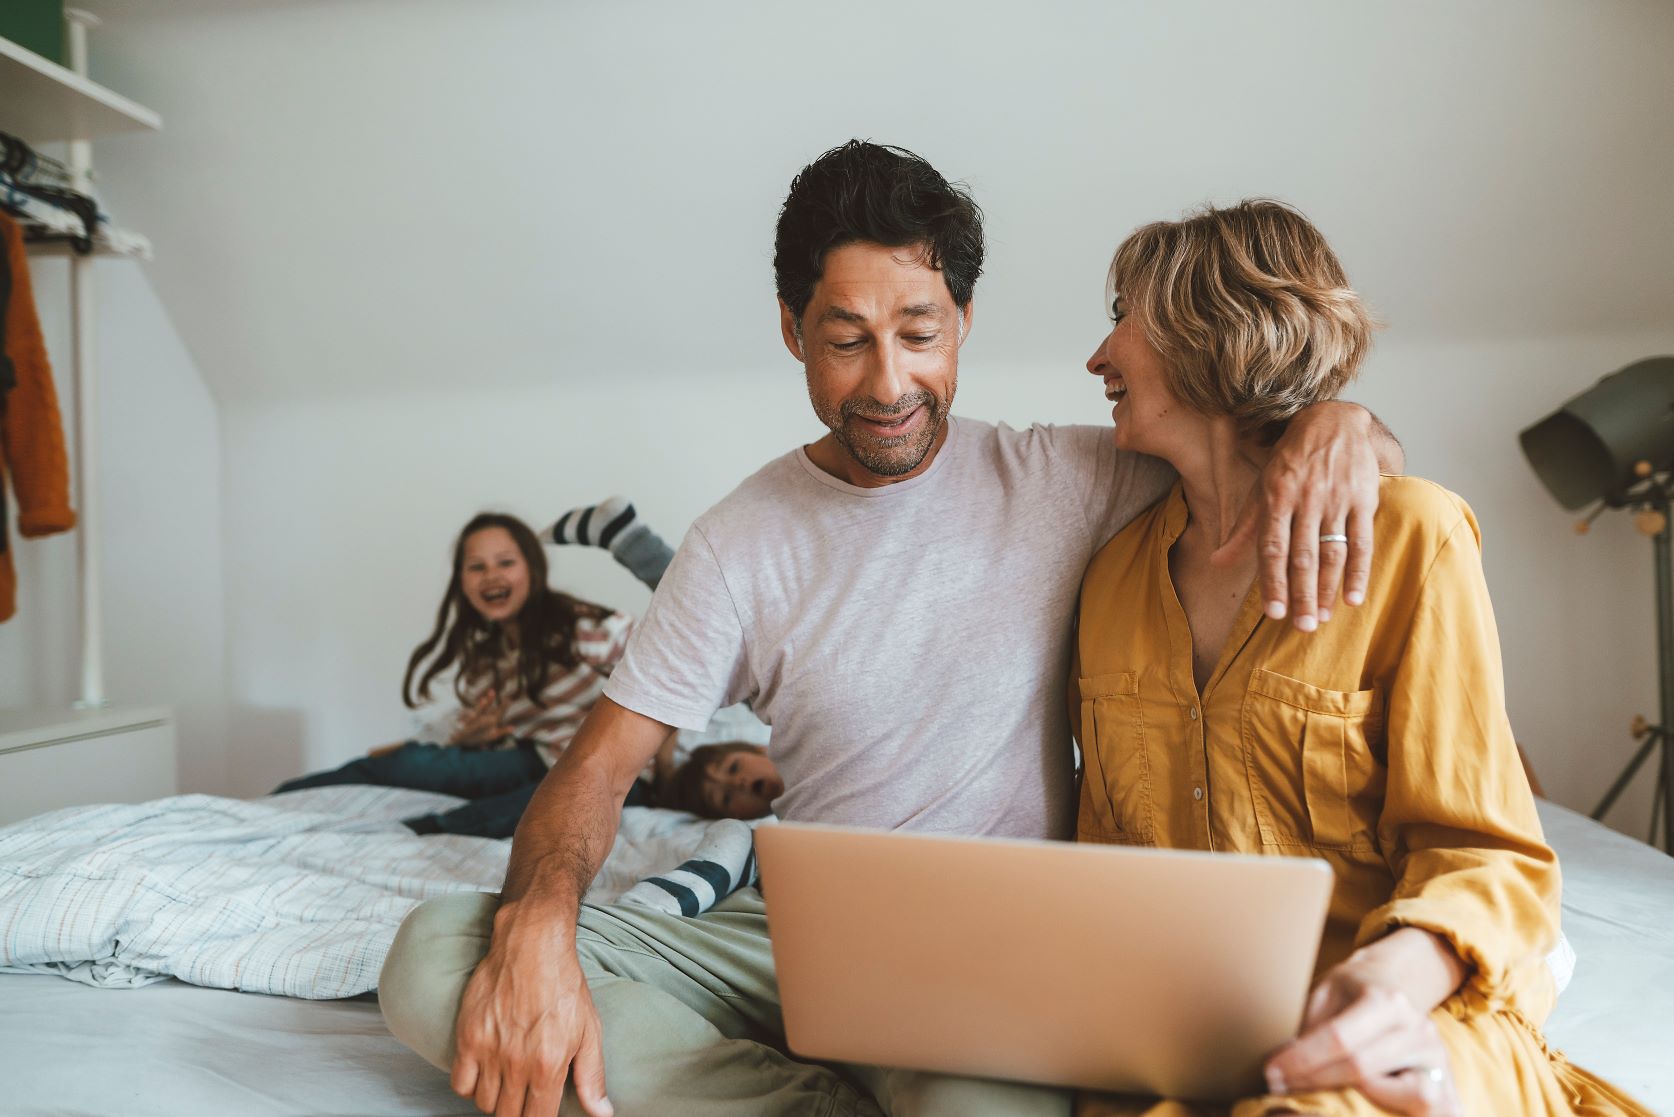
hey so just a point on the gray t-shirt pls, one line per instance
(908, 644)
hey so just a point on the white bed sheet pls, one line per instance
(177, 1050)
(1617, 1016)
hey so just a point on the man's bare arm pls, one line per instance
(570, 824)
(526, 1021)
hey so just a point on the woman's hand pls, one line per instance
(481, 724)
(1364, 1029)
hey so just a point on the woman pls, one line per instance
(529, 662)
(1378, 743)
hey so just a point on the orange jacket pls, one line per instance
(31, 432)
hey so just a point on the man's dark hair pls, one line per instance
(864, 191)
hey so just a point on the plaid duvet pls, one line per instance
(297, 894)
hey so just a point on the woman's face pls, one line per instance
(494, 576)
(1144, 407)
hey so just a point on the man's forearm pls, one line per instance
(571, 822)
(526, 1019)
(1329, 416)
(564, 838)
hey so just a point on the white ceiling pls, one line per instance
(401, 194)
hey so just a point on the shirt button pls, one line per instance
(1194, 713)
(1197, 793)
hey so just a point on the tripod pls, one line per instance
(1655, 513)
(1653, 735)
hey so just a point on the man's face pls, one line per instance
(880, 343)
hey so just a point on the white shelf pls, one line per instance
(22, 729)
(125, 245)
(42, 102)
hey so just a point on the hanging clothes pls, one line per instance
(31, 431)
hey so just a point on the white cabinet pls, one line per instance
(63, 758)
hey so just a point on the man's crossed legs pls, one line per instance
(690, 1011)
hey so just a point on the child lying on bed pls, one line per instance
(733, 779)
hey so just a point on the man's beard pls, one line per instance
(888, 457)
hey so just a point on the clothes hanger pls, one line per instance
(19, 166)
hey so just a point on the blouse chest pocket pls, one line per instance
(1313, 759)
(1116, 781)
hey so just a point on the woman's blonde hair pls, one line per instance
(1248, 308)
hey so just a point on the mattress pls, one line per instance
(67, 1050)
(1617, 1016)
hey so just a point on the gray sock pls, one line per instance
(645, 553)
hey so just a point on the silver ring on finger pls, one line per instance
(1433, 1076)
(1334, 537)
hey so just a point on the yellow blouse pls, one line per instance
(1379, 743)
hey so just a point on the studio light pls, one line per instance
(1613, 446)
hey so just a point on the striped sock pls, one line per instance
(724, 861)
(605, 524)
(614, 525)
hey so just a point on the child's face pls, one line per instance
(494, 576)
(742, 785)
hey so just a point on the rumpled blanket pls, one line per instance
(297, 894)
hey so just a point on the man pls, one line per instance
(896, 601)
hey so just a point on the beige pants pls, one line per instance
(691, 1018)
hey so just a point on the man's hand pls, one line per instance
(526, 1020)
(526, 1024)
(1322, 482)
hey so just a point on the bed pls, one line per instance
(183, 1051)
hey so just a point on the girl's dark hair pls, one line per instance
(463, 636)
(882, 195)
(685, 787)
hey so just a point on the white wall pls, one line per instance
(433, 257)
(340, 551)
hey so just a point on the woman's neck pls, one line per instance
(1218, 476)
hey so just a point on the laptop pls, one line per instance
(1158, 972)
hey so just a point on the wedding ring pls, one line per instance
(1333, 539)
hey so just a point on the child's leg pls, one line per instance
(496, 816)
(614, 525)
(468, 773)
(492, 816)
(386, 770)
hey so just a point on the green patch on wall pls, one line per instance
(37, 25)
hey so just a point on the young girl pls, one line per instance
(529, 663)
